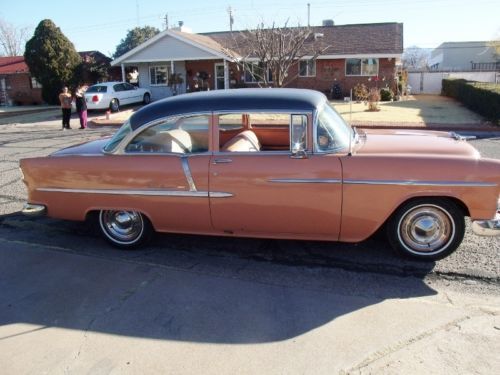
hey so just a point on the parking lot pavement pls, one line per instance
(195, 304)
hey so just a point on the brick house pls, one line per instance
(16, 84)
(354, 54)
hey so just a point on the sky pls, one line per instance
(101, 25)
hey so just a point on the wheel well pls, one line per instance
(455, 201)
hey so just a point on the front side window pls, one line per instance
(332, 132)
(179, 135)
(307, 68)
(158, 75)
(262, 132)
(361, 67)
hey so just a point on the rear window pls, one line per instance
(97, 89)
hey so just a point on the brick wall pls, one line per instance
(330, 72)
(18, 87)
(194, 67)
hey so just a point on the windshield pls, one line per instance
(118, 137)
(332, 132)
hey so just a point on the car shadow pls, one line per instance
(191, 288)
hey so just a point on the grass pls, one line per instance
(421, 109)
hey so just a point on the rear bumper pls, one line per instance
(34, 209)
(487, 227)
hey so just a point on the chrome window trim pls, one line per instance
(420, 183)
(306, 180)
(146, 192)
(256, 153)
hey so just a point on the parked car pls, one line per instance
(111, 95)
(275, 163)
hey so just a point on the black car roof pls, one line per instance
(244, 100)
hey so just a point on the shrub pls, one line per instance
(360, 92)
(373, 99)
(386, 94)
(483, 98)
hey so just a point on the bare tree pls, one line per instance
(274, 50)
(415, 58)
(12, 39)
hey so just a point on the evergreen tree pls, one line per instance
(52, 60)
(135, 37)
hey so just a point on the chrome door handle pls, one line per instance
(222, 161)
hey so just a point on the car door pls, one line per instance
(167, 164)
(133, 94)
(276, 192)
(120, 94)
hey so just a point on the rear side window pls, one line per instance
(97, 89)
(180, 135)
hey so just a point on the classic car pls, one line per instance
(274, 163)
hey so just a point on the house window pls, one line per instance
(307, 68)
(254, 72)
(158, 74)
(361, 67)
(35, 84)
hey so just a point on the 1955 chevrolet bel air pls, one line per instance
(275, 163)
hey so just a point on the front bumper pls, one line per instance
(34, 209)
(487, 227)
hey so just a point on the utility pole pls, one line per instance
(308, 15)
(166, 21)
(231, 18)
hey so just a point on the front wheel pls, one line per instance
(124, 229)
(426, 228)
(146, 99)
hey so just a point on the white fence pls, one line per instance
(430, 82)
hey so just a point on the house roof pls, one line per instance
(12, 65)
(344, 40)
(359, 39)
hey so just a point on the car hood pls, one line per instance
(409, 142)
(88, 148)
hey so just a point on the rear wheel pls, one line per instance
(426, 228)
(146, 99)
(124, 229)
(114, 105)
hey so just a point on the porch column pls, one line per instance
(172, 70)
(226, 75)
(123, 72)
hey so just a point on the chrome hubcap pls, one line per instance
(426, 229)
(122, 226)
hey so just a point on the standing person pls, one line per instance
(81, 106)
(65, 99)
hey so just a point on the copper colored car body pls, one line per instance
(274, 163)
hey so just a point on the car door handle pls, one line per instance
(222, 161)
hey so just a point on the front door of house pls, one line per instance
(219, 76)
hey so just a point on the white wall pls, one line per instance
(160, 92)
(430, 82)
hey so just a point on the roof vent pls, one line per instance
(328, 23)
